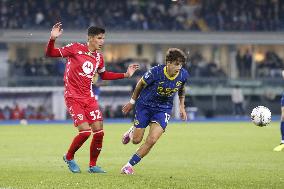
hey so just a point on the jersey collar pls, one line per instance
(167, 75)
(88, 50)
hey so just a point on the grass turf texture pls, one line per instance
(189, 155)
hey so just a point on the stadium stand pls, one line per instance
(215, 65)
(194, 15)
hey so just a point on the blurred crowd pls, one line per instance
(75, 14)
(243, 15)
(204, 15)
(269, 66)
(197, 66)
(29, 113)
(37, 67)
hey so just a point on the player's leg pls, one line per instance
(137, 135)
(154, 134)
(78, 141)
(77, 113)
(133, 134)
(128, 135)
(96, 147)
(141, 121)
(234, 109)
(239, 109)
(96, 123)
(242, 109)
(84, 133)
(280, 147)
(136, 132)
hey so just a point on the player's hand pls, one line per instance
(131, 70)
(56, 30)
(127, 108)
(183, 114)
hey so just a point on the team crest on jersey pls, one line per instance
(178, 83)
(136, 122)
(88, 67)
(80, 116)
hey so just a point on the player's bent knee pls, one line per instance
(136, 140)
(99, 133)
(85, 133)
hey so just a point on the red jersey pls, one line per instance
(16, 113)
(81, 66)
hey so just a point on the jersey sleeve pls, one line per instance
(150, 76)
(50, 50)
(101, 67)
(67, 50)
(185, 78)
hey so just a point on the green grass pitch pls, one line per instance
(189, 155)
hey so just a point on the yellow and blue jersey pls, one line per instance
(282, 100)
(161, 88)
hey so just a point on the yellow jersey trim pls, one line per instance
(143, 81)
(167, 75)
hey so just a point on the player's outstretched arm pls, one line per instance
(129, 106)
(56, 31)
(50, 50)
(181, 94)
(131, 70)
(106, 75)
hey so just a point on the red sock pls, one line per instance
(96, 146)
(78, 141)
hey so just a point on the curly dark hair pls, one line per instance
(175, 54)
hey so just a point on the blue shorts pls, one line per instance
(282, 100)
(145, 115)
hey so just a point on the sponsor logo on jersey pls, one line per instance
(80, 116)
(88, 67)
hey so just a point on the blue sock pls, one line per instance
(135, 159)
(282, 131)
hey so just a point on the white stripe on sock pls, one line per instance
(98, 132)
(85, 131)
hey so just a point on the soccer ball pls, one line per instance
(261, 116)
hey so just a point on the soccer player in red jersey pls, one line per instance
(83, 61)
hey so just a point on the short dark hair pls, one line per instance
(94, 30)
(175, 54)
